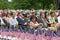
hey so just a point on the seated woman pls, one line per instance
(33, 23)
(43, 20)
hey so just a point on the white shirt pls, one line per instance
(2, 21)
(13, 21)
(58, 19)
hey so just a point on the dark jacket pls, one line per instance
(20, 21)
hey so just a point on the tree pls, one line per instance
(29, 4)
(56, 4)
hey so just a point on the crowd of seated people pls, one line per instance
(30, 19)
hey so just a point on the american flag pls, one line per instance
(15, 34)
(49, 38)
(27, 35)
(54, 38)
(3, 33)
(10, 34)
(38, 37)
(22, 36)
(32, 37)
(18, 35)
(43, 36)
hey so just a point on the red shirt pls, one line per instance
(3, 14)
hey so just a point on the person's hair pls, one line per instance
(45, 14)
(25, 15)
(59, 14)
(51, 13)
(34, 13)
(7, 14)
(32, 17)
(11, 14)
(41, 14)
(18, 13)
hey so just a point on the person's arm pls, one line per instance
(16, 23)
(25, 23)
(10, 22)
(7, 20)
(19, 21)
(33, 25)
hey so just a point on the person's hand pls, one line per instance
(25, 23)
(15, 26)
(36, 24)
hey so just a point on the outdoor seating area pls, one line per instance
(29, 24)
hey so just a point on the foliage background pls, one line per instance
(29, 4)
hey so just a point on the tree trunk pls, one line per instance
(56, 4)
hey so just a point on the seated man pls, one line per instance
(20, 18)
(22, 22)
(52, 21)
(12, 21)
